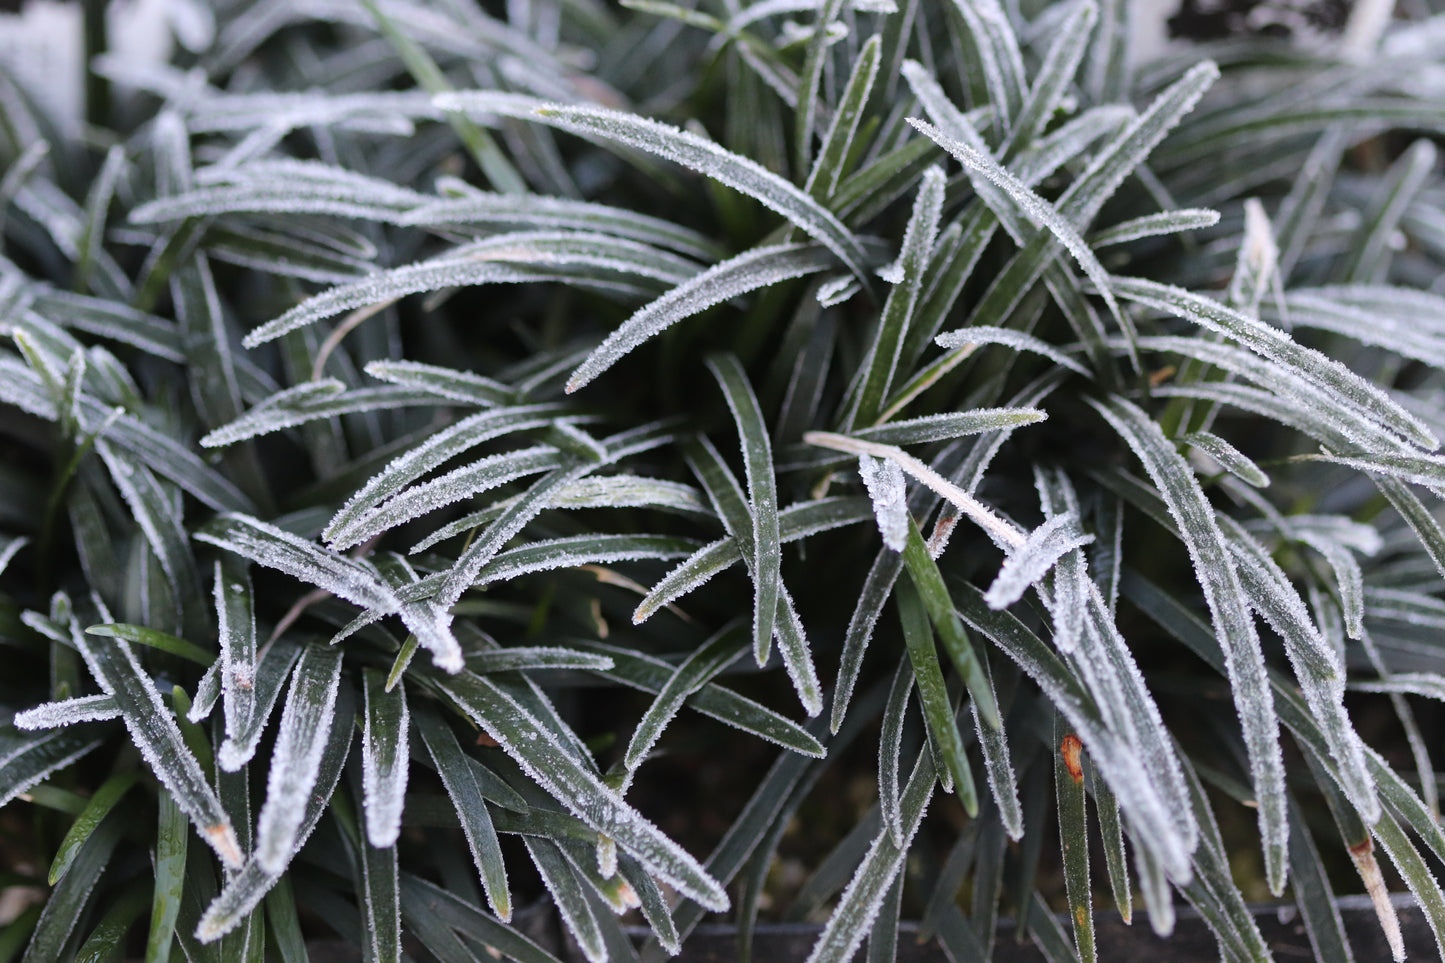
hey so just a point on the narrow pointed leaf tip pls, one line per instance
(752, 270)
(1003, 532)
(706, 157)
(337, 574)
(155, 732)
(296, 760)
(1035, 208)
(1031, 561)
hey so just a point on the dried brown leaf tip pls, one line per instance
(1073, 751)
(1363, 853)
(223, 840)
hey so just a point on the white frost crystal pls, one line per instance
(884, 481)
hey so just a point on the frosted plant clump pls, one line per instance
(969, 373)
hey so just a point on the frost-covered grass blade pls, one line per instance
(763, 496)
(945, 743)
(759, 267)
(385, 758)
(650, 675)
(301, 740)
(706, 157)
(543, 758)
(157, 736)
(696, 671)
(1074, 837)
(1229, 609)
(460, 782)
(244, 890)
(883, 354)
(1032, 560)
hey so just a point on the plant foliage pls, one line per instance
(425, 423)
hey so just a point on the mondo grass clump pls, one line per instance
(846, 461)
